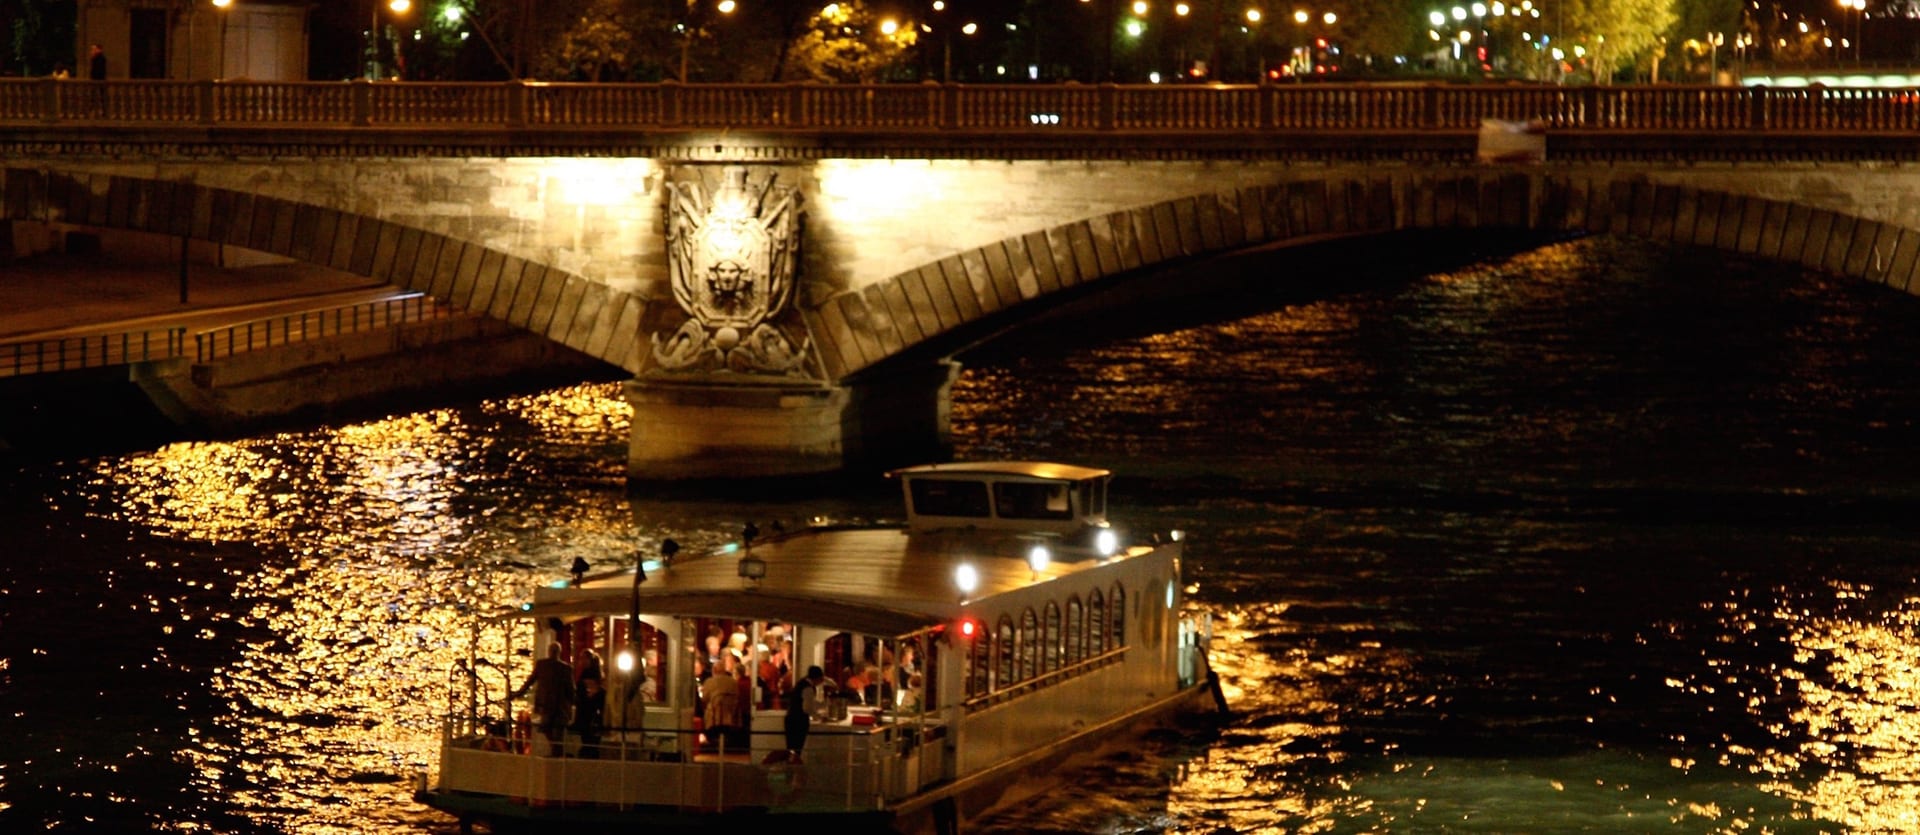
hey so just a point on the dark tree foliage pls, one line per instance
(40, 36)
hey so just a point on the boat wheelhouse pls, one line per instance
(1005, 625)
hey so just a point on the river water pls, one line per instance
(1594, 537)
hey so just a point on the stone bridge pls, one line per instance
(787, 281)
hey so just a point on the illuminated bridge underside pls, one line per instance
(859, 329)
(878, 339)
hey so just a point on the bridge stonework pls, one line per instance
(905, 261)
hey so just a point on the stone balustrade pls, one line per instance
(1224, 110)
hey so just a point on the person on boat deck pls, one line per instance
(865, 684)
(910, 694)
(802, 703)
(774, 672)
(722, 694)
(705, 665)
(589, 703)
(552, 685)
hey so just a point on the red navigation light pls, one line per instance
(969, 629)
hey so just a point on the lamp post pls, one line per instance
(1859, 9)
(398, 7)
(223, 5)
(1253, 18)
(688, 29)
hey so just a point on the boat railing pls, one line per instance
(844, 768)
(1048, 679)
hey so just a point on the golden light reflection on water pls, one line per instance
(1256, 781)
(370, 575)
(1857, 760)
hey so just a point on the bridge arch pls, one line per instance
(860, 330)
(582, 314)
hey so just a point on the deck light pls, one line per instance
(624, 660)
(969, 629)
(1038, 558)
(1106, 542)
(966, 578)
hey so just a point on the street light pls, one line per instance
(725, 7)
(222, 5)
(1859, 7)
(398, 7)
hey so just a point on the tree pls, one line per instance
(1615, 33)
(609, 40)
(844, 43)
(1384, 29)
(41, 36)
(1695, 23)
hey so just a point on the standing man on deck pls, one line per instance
(552, 685)
(802, 703)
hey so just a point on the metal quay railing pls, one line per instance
(43, 356)
(275, 331)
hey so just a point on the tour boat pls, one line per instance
(964, 655)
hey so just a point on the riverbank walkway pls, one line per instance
(57, 296)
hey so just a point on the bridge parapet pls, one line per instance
(1038, 110)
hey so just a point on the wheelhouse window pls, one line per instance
(1029, 646)
(1031, 500)
(1117, 638)
(1076, 638)
(934, 497)
(1003, 652)
(1050, 638)
(1093, 495)
(1096, 624)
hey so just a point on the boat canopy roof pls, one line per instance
(1025, 469)
(873, 580)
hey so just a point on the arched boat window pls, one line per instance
(1076, 638)
(1029, 646)
(979, 664)
(1096, 624)
(1050, 638)
(1003, 652)
(1117, 604)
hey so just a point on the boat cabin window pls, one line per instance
(1003, 646)
(937, 497)
(1031, 500)
(1076, 631)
